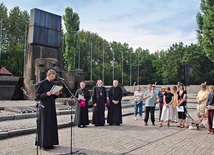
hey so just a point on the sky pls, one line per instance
(149, 24)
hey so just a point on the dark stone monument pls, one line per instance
(43, 52)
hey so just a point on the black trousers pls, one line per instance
(160, 110)
(150, 110)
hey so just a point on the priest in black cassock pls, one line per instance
(99, 102)
(47, 122)
(115, 111)
(81, 111)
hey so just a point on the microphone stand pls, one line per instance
(37, 117)
(72, 97)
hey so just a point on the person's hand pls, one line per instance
(116, 102)
(95, 104)
(56, 93)
(48, 93)
(209, 108)
(78, 99)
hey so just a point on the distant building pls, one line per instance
(5, 72)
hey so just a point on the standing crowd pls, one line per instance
(173, 106)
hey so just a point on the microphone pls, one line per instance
(60, 78)
(24, 91)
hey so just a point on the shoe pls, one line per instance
(110, 124)
(141, 117)
(179, 126)
(153, 124)
(158, 121)
(160, 125)
(135, 118)
(96, 125)
(146, 124)
(79, 126)
(43, 148)
(83, 126)
(168, 125)
(118, 124)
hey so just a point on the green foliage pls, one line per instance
(205, 31)
(13, 59)
(163, 67)
(14, 29)
(71, 21)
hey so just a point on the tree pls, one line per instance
(205, 31)
(3, 26)
(13, 59)
(71, 21)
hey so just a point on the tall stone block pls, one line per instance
(44, 28)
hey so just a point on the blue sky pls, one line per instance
(150, 24)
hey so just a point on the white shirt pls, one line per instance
(138, 95)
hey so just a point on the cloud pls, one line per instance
(154, 25)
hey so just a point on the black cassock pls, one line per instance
(81, 113)
(115, 112)
(47, 122)
(99, 97)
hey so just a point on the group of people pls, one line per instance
(99, 98)
(47, 133)
(173, 106)
(168, 104)
(205, 107)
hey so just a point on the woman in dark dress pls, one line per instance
(81, 111)
(99, 101)
(182, 94)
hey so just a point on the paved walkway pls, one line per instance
(132, 138)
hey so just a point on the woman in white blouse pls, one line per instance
(138, 103)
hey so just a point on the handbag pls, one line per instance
(82, 103)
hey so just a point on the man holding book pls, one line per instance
(47, 122)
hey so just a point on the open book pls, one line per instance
(56, 88)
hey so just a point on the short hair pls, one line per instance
(181, 84)
(116, 81)
(51, 71)
(168, 88)
(211, 87)
(203, 85)
(174, 88)
(139, 87)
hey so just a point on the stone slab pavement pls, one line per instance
(131, 138)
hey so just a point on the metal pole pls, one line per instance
(25, 43)
(138, 71)
(103, 63)
(91, 64)
(0, 41)
(122, 67)
(130, 69)
(78, 42)
(113, 65)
